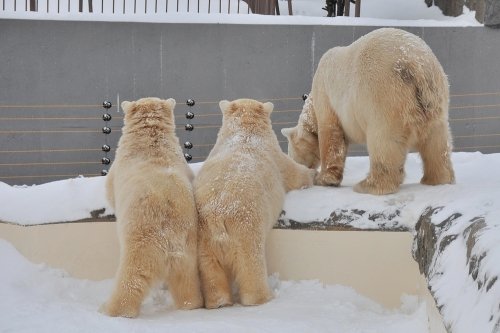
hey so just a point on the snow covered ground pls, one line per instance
(35, 298)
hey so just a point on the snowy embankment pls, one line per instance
(457, 246)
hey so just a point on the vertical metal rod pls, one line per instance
(357, 12)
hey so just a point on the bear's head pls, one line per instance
(149, 112)
(246, 114)
(303, 146)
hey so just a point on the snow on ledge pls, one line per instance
(476, 192)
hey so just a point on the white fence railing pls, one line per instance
(125, 6)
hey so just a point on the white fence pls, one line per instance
(125, 6)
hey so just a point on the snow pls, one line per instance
(36, 298)
(52, 204)
(408, 13)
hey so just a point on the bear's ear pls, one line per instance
(224, 105)
(169, 106)
(287, 132)
(126, 106)
(268, 107)
(171, 102)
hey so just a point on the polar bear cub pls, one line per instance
(239, 193)
(388, 90)
(149, 187)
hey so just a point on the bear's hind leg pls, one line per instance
(435, 151)
(214, 281)
(251, 274)
(183, 281)
(139, 267)
(387, 158)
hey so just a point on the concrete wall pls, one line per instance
(54, 75)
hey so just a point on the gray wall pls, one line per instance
(54, 75)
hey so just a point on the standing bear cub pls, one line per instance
(149, 187)
(388, 90)
(239, 194)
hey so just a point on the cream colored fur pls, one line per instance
(387, 90)
(149, 187)
(239, 194)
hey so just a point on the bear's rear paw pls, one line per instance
(119, 311)
(255, 298)
(215, 302)
(191, 304)
(326, 179)
(371, 188)
(437, 181)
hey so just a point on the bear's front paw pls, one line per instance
(326, 179)
(310, 179)
(369, 187)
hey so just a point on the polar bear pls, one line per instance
(149, 187)
(387, 90)
(239, 193)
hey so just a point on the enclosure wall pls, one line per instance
(54, 76)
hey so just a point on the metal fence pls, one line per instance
(126, 7)
(83, 138)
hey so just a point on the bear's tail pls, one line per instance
(430, 86)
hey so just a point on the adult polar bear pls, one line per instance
(388, 90)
